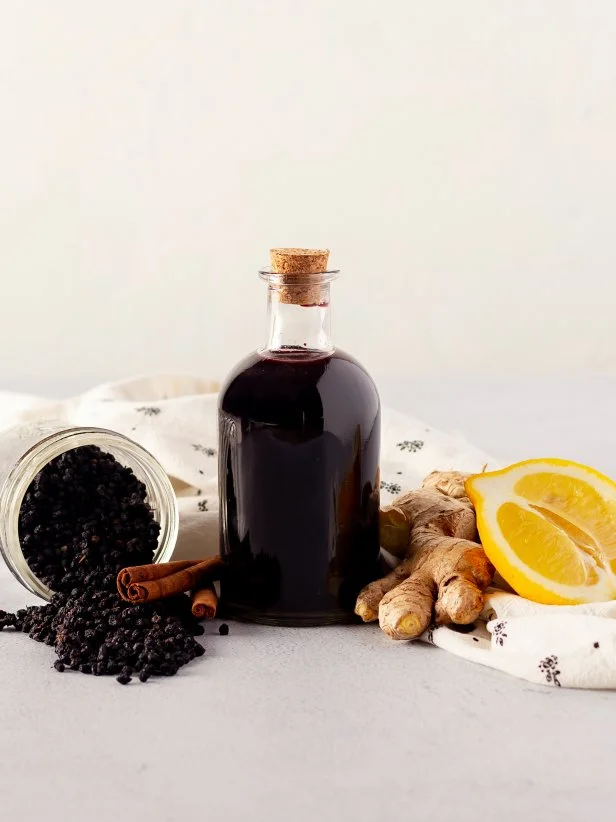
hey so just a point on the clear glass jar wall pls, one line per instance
(26, 449)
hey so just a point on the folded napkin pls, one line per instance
(175, 418)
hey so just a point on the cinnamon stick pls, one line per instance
(204, 602)
(147, 573)
(144, 583)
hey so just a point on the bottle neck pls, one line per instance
(294, 328)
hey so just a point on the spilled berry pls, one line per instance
(85, 517)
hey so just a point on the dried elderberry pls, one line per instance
(84, 518)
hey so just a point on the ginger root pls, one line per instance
(443, 570)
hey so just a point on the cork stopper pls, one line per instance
(298, 270)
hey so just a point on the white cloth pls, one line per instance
(175, 418)
(569, 646)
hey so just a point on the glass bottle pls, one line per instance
(299, 429)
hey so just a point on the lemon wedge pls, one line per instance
(549, 528)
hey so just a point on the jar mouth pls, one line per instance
(159, 493)
(297, 278)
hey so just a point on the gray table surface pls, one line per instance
(335, 724)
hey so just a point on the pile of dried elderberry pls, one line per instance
(83, 519)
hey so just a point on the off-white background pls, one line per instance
(458, 158)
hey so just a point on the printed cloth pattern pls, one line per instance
(175, 418)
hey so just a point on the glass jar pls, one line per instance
(27, 448)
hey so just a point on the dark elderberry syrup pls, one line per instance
(299, 454)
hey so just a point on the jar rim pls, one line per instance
(160, 494)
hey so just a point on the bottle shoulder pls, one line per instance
(265, 381)
(276, 366)
(243, 366)
(353, 364)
